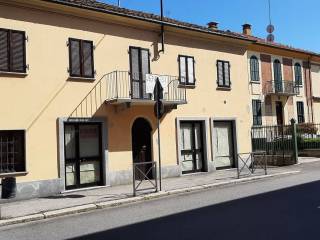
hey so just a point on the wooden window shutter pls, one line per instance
(4, 50)
(17, 47)
(87, 59)
(182, 69)
(75, 57)
(220, 73)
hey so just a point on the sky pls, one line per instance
(296, 22)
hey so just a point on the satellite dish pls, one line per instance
(270, 38)
(270, 28)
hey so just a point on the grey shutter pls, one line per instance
(220, 73)
(144, 70)
(87, 54)
(17, 51)
(4, 48)
(135, 79)
(182, 68)
(75, 57)
(226, 74)
(190, 63)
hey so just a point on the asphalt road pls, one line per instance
(285, 207)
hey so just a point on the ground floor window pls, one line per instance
(300, 112)
(256, 112)
(12, 151)
(192, 147)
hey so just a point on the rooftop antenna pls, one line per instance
(270, 27)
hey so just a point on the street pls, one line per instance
(286, 207)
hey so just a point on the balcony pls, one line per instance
(281, 88)
(122, 87)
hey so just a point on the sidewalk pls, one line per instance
(86, 200)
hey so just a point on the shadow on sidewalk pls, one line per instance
(291, 213)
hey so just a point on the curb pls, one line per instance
(115, 203)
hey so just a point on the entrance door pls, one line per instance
(83, 155)
(279, 113)
(192, 147)
(223, 144)
(141, 146)
(139, 67)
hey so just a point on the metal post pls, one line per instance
(238, 168)
(294, 140)
(159, 148)
(134, 179)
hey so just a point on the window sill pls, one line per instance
(13, 174)
(71, 78)
(224, 88)
(186, 86)
(13, 74)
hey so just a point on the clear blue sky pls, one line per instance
(296, 22)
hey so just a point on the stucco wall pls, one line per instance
(34, 102)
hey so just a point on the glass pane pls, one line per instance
(186, 136)
(190, 71)
(187, 162)
(197, 132)
(89, 172)
(220, 74)
(71, 178)
(89, 141)
(223, 145)
(183, 69)
(199, 161)
(70, 143)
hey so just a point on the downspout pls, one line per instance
(162, 28)
(311, 93)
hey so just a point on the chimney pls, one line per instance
(213, 25)
(246, 29)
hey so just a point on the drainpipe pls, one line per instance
(311, 93)
(162, 28)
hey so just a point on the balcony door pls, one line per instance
(277, 72)
(139, 67)
(83, 155)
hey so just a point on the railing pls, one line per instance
(122, 86)
(144, 172)
(274, 140)
(249, 163)
(308, 136)
(282, 88)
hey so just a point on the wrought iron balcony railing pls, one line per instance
(123, 87)
(287, 88)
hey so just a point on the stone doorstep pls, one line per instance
(114, 203)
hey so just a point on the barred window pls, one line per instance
(12, 51)
(81, 58)
(300, 112)
(298, 74)
(256, 112)
(254, 69)
(223, 71)
(12, 151)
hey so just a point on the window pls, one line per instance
(223, 70)
(81, 58)
(12, 51)
(300, 112)
(254, 69)
(256, 112)
(186, 70)
(277, 72)
(298, 74)
(12, 151)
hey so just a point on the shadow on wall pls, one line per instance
(291, 213)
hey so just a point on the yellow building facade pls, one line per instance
(82, 104)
